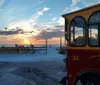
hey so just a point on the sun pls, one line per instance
(26, 41)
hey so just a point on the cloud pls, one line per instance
(42, 11)
(89, 2)
(52, 33)
(11, 32)
(46, 9)
(23, 24)
(20, 10)
(49, 35)
(43, 26)
(66, 9)
(14, 31)
(28, 24)
(74, 2)
(85, 3)
(61, 21)
(55, 22)
(39, 2)
(31, 24)
(34, 19)
(54, 19)
(75, 8)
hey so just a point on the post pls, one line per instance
(46, 46)
(65, 41)
(60, 42)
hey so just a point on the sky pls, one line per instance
(33, 21)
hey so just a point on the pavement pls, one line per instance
(32, 73)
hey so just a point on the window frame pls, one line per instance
(92, 25)
(66, 29)
(83, 31)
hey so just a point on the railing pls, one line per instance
(15, 49)
(21, 49)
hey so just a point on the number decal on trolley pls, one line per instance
(75, 58)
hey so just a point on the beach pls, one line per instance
(32, 69)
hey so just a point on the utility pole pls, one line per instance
(46, 45)
(60, 42)
(65, 41)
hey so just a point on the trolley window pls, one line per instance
(94, 29)
(77, 31)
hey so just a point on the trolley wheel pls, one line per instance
(88, 80)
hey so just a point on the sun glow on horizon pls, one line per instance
(26, 41)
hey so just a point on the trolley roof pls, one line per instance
(81, 10)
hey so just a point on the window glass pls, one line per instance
(95, 18)
(72, 32)
(93, 35)
(94, 22)
(77, 32)
(66, 28)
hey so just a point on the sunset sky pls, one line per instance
(33, 21)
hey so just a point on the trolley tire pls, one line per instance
(88, 80)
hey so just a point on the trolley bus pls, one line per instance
(82, 32)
